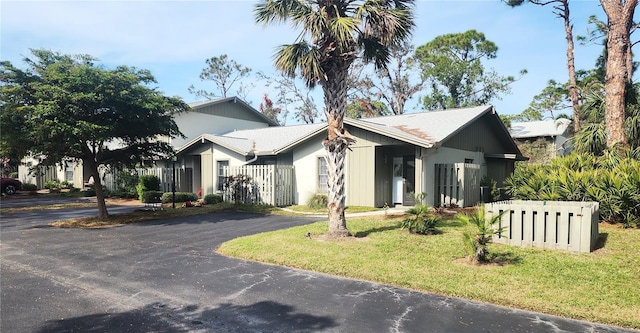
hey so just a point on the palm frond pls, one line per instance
(279, 11)
(300, 57)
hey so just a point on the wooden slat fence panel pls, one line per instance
(457, 184)
(554, 225)
(270, 184)
(165, 175)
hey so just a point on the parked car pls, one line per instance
(10, 185)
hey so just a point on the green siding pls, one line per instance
(481, 135)
(230, 110)
(360, 175)
(368, 139)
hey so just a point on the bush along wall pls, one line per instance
(147, 183)
(610, 179)
(167, 197)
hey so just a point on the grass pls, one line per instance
(349, 209)
(602, 286)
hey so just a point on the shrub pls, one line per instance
(610, 179)
(421, 222)
(180, 197)
(13, 175)
(147, 183)
(241, 188)
(151, 196)
(66, 184)
(318, 201)
(212, 199)
(29, 187)
(480, 234)
(52, 184)
(90, 192)
(126, 182)
(74, 190)
(125, 193)
(494, 194)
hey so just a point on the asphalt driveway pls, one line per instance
(165, 276)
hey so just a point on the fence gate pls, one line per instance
(457, 184)
(270, 184)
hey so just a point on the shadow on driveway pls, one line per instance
(157, 317)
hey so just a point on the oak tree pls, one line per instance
(67, 108)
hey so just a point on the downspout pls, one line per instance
(255, 156)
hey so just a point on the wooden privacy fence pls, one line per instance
(555, 225)
(457, 184)
(164, 174)
(270, 184)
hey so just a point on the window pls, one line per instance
(323, 175)
(68, 172)
(468, 160)
(221, 166)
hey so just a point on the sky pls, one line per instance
(173, 39)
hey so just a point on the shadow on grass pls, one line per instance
(602, 240)
(365, 233)
(504, 258)
(450, 223)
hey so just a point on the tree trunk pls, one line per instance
(336, 144)
(571, 66)
(620, 17)
(102, 205)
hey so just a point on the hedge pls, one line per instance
(180, 197)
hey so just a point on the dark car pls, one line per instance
(10, 185)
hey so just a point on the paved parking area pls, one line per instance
(164, 276)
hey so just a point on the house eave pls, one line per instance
(381, 131)
(506, 156)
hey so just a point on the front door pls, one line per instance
(404, 176)
(398, 180)
(409, 189)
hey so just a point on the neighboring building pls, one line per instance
(218, 116)
(441, 153)
(543, 140)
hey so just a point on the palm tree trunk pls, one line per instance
(620, 18)
(571, 65)
(336, 144)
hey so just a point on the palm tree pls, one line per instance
(335, 33)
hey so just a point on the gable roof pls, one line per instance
(542, 128)
(262, 141)
(212, 107)
(426, 129)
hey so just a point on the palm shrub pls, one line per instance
(421, 222)
(318, 201)
(610, 179)
(480, 233)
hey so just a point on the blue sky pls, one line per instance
(173, 39)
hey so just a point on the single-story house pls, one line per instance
(543, 140)
(442, 154)
(214, 116)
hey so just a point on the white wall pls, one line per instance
(442, 155)
(305, 161)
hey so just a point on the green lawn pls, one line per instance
(602, 286)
